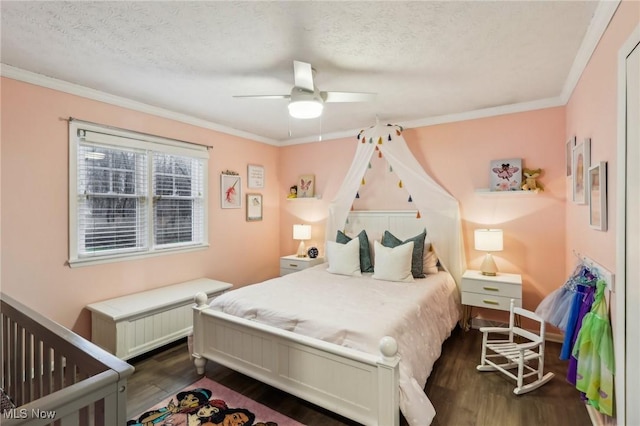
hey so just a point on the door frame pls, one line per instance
(622, 359)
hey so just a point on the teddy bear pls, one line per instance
(530, 183)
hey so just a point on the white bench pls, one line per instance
(131, 325)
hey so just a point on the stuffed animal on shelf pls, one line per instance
(530, 183)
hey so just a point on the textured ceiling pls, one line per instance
(424, 59)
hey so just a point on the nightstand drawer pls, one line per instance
(491, 288)
(489, 301)
(294, 264)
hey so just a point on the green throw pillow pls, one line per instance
(390, 240)
(365, 253)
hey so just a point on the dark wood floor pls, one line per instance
(461, 395)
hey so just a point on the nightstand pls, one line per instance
(492, 292)
(293, 263)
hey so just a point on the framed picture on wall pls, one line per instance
(580, 167)
(255, 176)
(230, 191)
(506, 175)
(598, 196)
(569, 154)
(254, 207)
(306, 184)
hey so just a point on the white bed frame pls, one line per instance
(354, 384)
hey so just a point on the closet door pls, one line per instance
(632, 270)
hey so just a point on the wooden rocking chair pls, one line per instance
(516, 355)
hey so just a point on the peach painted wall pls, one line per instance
(592, 113)
(457, 155)
(34, 201)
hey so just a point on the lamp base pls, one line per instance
(488, 266)
(301, 250)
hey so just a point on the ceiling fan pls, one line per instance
(305, 100)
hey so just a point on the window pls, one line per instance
(133, 194)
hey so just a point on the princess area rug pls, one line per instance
(207, 403)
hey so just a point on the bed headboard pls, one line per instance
(401, 223)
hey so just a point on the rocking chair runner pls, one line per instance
(520, 355)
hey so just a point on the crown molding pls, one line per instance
(602, 16)
(599, 22)
(441, 119)
(96, 95)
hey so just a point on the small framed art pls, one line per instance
(306, 184)
(598, 196)
(506, 175)
(255, 176)
(254, 207)
(230, 191)
(580, 168)
(569, 154)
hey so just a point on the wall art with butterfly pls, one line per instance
(306, 184)
(506, 175)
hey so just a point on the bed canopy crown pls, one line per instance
(438, 209)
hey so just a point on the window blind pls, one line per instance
(112, 190)
(134, 194)
(178, 200)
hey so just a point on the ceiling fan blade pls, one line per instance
(303, 75)
(263, 96)
(347, 96)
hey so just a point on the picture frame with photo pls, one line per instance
(230, 191)
(580, 162)
(254, 207)
(255, 176)
(306, 186)
(506, 175)
(569, 155)
(598, 196)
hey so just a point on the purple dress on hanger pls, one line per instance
(587, 301)
(573, 322)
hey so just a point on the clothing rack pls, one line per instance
(602, 272)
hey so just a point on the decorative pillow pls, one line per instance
(365, 251)
(344, 259)
(389, 240)
(430, 262)
(393, 264)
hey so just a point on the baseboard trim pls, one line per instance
(595, 416)
(599, 419)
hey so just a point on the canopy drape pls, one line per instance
(438, 209)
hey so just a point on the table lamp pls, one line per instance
(302, 233)
(488, 240)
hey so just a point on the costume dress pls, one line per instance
(594, 351)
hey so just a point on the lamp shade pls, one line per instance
(305, 109)
(301, 232)
(488, 239)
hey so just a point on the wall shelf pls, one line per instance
(315, 197)
(486, 191)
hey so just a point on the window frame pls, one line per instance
(120, 138)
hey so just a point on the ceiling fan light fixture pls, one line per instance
(305, 109)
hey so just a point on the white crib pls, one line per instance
(54, 376)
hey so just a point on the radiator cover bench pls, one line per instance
(131, 325)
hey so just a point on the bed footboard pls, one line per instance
(354, 384)
(55, 377)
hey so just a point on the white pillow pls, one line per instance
(430, 260)
(344, 259)
(393, 264)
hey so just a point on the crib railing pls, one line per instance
(56, 377)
